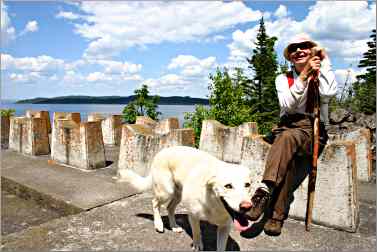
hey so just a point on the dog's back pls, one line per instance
(180, 161)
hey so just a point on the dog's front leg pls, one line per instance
(222, 236)
(197, 243)
(158, 224)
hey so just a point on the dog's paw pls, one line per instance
(159, 230)
(197, 246)
(158, 225)
(177, 229)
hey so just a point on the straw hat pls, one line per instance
(299, 38)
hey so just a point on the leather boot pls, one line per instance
(273, 227)
(259, 201)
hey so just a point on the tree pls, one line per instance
(142, 105)
(195, 119)
(364, 88)
(226, 100)
(261, 92)
(7, 112)
(227, 97)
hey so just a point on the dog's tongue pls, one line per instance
(241, 224)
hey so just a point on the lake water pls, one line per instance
(105, 109)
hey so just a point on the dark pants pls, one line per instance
(293, 139)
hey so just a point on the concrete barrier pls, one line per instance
(40, 114)
(76, 143)
(363, 147)
(5, 126)
(335, 203)
(144, 139)
(111, 127)
(225, 142)
(56, 139)
(29, 135)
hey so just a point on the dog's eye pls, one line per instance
(247, 184)
(228, 186)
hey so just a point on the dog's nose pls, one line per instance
(245, 206)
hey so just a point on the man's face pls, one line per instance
(300, 53)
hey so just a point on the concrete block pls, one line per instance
(5, 126)
(167, 125)
(225, 142)
(335, 203)
(141, 142)
(57, 148)
(363, 147)
(111, 127)
(138, 146)
(40, 114)
(78, 144)
(147, 121)
(29, 135)
(92, 117)
(253, 155)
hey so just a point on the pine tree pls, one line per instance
(365, 87)
(260, 90)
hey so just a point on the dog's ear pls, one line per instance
(211, 182)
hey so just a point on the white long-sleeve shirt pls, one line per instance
(292, 99)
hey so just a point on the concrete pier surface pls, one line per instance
(96, 213)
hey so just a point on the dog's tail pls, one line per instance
(135, 180)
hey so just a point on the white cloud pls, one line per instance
(41, 63)
(68, 15)
(191, 78)
(77, 73)
(343, 28)
(115, 26)
(8, 32)
(98, 76)
(31, 26)
(191, 66)
(25, 78)
(117, 67)
(281, 12)
(168, 82)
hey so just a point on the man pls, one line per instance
(294, 133)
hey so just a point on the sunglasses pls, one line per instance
(304, 45)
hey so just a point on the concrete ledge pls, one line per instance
(57, 186)
(143, 140)
(225, 142)
(43, 199)
(363, 147)
(335, 203)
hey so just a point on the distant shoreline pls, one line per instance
(171, 100)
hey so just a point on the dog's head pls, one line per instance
(232, 185)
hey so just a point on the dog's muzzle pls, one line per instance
(240, 219)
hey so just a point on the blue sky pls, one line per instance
(111, 48)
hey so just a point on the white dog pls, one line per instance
(211, 190)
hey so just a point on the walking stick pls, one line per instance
(314, 81)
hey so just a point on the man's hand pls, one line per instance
(313, 64)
